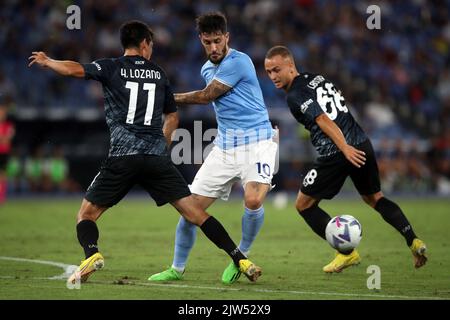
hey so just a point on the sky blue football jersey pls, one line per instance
(241, 114)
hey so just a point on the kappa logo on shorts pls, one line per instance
(310, 177)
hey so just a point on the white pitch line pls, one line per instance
(282, 291)
(69, 269)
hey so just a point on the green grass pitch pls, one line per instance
(136, 239)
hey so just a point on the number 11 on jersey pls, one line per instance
(134, 87)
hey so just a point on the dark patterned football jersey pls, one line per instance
(136, 94)
(311, 95)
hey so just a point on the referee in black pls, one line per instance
(136, 94)
(344, 150)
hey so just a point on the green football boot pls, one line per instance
(168, 275)
(231, 274)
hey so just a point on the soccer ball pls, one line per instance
(343, 233)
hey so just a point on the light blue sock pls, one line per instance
(184, 241)
(252, 221)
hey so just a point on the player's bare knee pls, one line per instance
(302, 203)
(372, 199)
(89, 211)
(199, 215)
(253, 202)
(369, 201)
(86, 215)
(301, 206)
(201, 218)
(195, 216)
(191, 210)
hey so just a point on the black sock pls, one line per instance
(217, 234)
(317, 219)
(87, 233)
(393, 215)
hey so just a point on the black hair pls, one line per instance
(133, 32)
(212, 22)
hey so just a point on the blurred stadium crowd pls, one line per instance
(396, 80)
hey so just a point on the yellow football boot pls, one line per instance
(87, 267)
(419, 249)
(342, 261)
(251, 271)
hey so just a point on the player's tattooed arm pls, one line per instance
(170, 124)
(214, 90)
(355, 156)
(65, 68)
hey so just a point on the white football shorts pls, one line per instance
(247, 163)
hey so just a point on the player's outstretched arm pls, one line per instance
(212, 91)
(65, 68)
(355, 156)
(170, 124)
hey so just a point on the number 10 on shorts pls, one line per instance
(263, 169)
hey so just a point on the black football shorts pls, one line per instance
(156, 174)
(327, 176)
